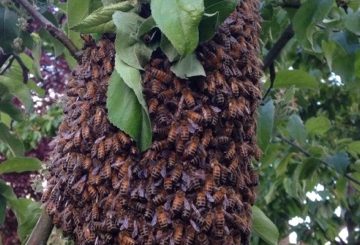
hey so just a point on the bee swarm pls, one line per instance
(195, 185)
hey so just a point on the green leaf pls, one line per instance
(329, 49)
(308, 15)
(19, 165)
(76, 11)
(308, 168)
(340, 161)
(297, 78)
(189, 66)
(8, 28)
(352, 22)
(354, 148)
(147, 25)
(129, 49)
(265, 124)
(9, 108)
(283, 165)
(2, 209)
(6, 191)
(317, 125)
(13, 80)
(126, 113)
(296, 128)
(216, 11)
(100, 21)
(27, 213)
(132, 79)
(264, 227)
(179, 21)
(168, 49)
(15, 145)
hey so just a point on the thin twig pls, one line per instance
(53, 30)
(278, 46)
(42, 230)
(272, 81)
(8, 65)
(302, 150)
(25, 70)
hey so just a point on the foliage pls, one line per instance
(307, 126)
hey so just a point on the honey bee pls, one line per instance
(80, 185)
(188, 97)
(159, 145)
(207, 222)
(124, 187)
(184, 132)
(187, 210)
(167, 95)
(207, 137)
(206, 113)
(202, 239)
(209, 184)
(168, 184)
(95, 71)
(190, 235)
(171, 160)
(216, 171)
(145, 230)
(95, 214)
(200, 199)
(219, 223)
(90, 90)
(176, 173)
(101, 150)
(123, 138)
(179, 146)
(155, 87)
(92, 191)
(159, 199)
(125, 239)
(192, 147)
(219, 80)
(219, 98)
(85, 132)
(88, 235)
(149, 212)
(162, 218)
(172, 133)
(178, 202)
(195, 117)
(219, 195)
(87, 163)
(160, 75)
(178, 85)
(212, 60)
(234, 87)
(108, 66)
(178, 233)
(157, 170)
(230, 154)
(68, 147)
(106, 170)
(211, 84)
(99, 114)
(139, 207)
(152, 105)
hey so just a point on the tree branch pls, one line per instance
(42, 230)
(302, 150)
(278, 46)
(51, 28)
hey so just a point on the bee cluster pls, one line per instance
(195, 185)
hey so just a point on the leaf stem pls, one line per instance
(41, 231)
(306, 153)
(51, 28)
